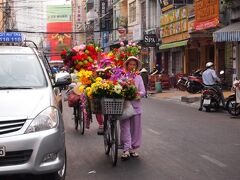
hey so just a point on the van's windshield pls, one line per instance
(21, 71)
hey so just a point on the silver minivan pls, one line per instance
(32, 139)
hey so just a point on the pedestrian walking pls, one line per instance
(131, 129)
(144, 74)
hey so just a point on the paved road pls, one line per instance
(179, 143)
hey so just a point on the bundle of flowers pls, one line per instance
(122, 88)
(106, 88)
(121, 54)
(129, 89)
(81, 57)
(105, 66)
(86, 77)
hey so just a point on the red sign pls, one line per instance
(206, 14)
(206, 24)
(60, 40)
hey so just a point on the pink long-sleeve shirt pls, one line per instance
(141, 90)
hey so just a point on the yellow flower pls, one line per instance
(81, 88)
(98, 79)
(89, 91)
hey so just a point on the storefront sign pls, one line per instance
(166, 5)
(150, 40)
(103, 11)
(206, 14)
(174, 22)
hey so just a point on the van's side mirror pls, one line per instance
(63, 81)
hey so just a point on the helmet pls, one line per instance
(209, 64)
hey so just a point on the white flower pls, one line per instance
(118, 88)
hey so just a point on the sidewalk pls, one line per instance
(183, 96)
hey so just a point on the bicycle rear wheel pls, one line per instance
(81, 120)
(114, 142)
(76, 116)
(106, 136)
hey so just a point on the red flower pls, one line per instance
(78, 67)
(90, 48)
(64, 52)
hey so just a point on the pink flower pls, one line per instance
(82, 47)
(122, 43)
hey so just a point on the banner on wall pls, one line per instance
(60, 40)
(206, 14)
(59, 21)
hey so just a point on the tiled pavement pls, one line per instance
(180, 96)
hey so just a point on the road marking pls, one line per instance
(214, 161)
(153, 131)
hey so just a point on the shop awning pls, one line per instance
(172, 45)
(229, 33)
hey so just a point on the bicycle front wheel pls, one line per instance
(114, 142)
(106, 135)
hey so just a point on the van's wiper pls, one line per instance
(12, 87)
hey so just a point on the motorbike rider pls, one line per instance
(210, 78)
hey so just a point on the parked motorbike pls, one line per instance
(232, 106)
(192, 84)
(211, 98)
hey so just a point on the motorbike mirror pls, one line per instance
(221, 72)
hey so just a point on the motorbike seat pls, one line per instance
(209, 87)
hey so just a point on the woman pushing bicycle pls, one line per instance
(131, 129)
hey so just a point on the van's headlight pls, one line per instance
(47, 119)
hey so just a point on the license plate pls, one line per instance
(2, 151)
(206, 101)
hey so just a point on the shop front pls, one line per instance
(229, 39)
(174, 33)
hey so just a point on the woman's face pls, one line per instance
(132, 65)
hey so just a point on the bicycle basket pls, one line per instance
(96, 106)
(112, 106)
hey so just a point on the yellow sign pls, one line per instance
(174, 22)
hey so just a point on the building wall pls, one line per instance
(31, 19)
(1, 18)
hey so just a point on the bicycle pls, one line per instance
(79, 118)
(112, 108)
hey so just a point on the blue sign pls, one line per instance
(10, 37)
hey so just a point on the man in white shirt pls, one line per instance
(210, 78)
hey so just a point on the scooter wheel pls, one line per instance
(232, 107)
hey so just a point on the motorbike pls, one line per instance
(192, 84)
(232, 105)
(211, 97)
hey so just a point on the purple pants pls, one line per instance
(131, 132)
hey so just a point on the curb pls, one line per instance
(189, 99)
